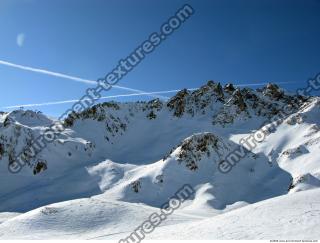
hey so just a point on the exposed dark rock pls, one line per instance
(40, 166)
(7, 122)
(136, 186)
(229, 88)
(152, 115)
(178, 102)
(304, 179)
(273, 91)
(1, 150)
(238, 100)
(195, 148)
(155, 104)
(219, 91)
(159, 179)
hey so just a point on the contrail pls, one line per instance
(258, 84)
(65, 76)
(124, 95)
(104, 97)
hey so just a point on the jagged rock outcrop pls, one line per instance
(229, 88)
(197, 147)
(155, 104)
(40, 166)
(178, 103)
(238, 100)
(273, 91)
(136, 186)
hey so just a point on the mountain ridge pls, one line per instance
(142, 134)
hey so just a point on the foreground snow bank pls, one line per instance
(294, 216)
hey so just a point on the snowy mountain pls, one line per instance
(124, 160)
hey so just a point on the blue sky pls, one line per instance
(235, 41)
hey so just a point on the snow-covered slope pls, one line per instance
(294, 216)
(137, 155)
(195, 162)
(82, 219)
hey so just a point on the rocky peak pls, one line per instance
(178, 102)
(215, 87)
(219, 91)
(273, 91)
(228, 102)
(229, 88)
